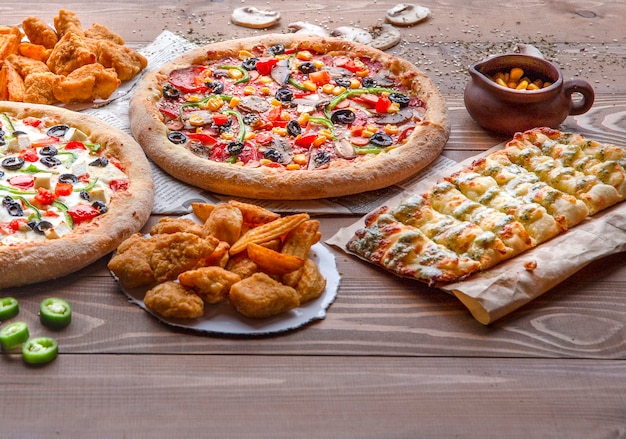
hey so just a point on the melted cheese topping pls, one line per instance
(52, 178)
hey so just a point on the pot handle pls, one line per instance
(584, 88)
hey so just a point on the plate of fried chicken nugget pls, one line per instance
(229, 268)
(64, 63)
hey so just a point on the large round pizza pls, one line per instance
(289, 117)
(72, 188)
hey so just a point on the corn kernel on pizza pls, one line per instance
(289, 117)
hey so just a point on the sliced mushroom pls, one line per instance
(352, 33)
(407, 14)
(303, 27)
(384, 36)
(249, 16)
(395, 118)
(254, 104)
(344, 149)
(281, 71)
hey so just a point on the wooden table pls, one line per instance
(393, 358)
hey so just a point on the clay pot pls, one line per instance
(507, 111)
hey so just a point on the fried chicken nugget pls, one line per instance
(86, 84)
(11, 84)
(126, 62)
(38, 32)
(66, 22)
(101, 32)
(260, 296)
(224, 222)
(178, 252)
(26, 66)
(39, 87)
(242, 265)
(131, 263)
(171, 299)
(71, 52)
(311, 283)
(220, 255)
(210, 283)
(173, 225)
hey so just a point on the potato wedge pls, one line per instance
(254, 215)
(269, 231)
(273, 262)
(202, 210)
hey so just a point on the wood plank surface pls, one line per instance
(393, 358)
(105, 396)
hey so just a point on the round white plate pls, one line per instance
(223, 319)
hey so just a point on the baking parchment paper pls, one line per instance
(492, 294)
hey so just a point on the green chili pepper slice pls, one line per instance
(242, 127)
(13, 335)
(9, 308)
(40, 350)
(55, 313)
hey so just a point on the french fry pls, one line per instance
(273, 262)
(268, 231)
(9, 41)
(202, 210)
(254, 215)
(11, 84)
(298, 243)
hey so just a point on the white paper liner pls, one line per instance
(492, 294)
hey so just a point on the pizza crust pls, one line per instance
(340, 178)
(128, 210)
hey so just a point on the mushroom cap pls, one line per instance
(407, 14)
(384, 36)
(352, 33)
(249, 16)
(304, 27)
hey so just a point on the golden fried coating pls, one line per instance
(224, 223)
(311, 283)
(86, 84)
(131, 263)
(38, 32)
(25, 65)
(242, 265)
(178, 252)
(101, 32)
(66, 22)
(173, 225)
(210, 283)
(11, 84)
(125, 61)
(70, 53)
(171, 299)
(220, 255)
(39, 88)
(260, 296)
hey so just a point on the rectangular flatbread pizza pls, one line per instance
(542, 183)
